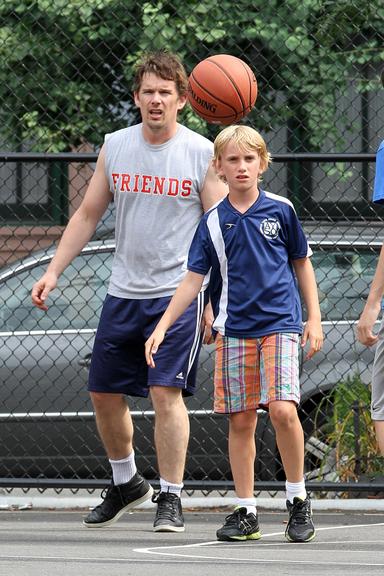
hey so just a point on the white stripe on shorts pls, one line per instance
(195, 344)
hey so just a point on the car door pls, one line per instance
(344, 275)
(46, 420)
(44, 356)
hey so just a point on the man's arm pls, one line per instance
(185, 294)
(213, 189)
(373, 306)
(78, 232)
(307, 283)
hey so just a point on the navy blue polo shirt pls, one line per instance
(249, 255)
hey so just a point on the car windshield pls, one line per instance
(75, 304)
(343, 280)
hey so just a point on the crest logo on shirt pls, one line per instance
(270, 228)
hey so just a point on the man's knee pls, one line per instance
(105, 401)
(165, 399)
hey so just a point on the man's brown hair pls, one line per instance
(164, 64)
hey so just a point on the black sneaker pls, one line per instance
(239, 526)
(300, 527)
(117, 500)
(169, 515)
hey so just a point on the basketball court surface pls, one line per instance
(42, 543)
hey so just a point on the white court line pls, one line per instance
(307, 546)
(159, 550)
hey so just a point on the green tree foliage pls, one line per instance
(67, 64)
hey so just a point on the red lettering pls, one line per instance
(136, 186)
(151, 184)
(159, 185)
(115, 178)
(125, 178)
(173, 189)
(146, 181)
(186, 187)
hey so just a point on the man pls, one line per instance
(160, 177)
(371, 313)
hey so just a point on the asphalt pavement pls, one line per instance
(43, 542)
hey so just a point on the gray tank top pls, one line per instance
(156, 192)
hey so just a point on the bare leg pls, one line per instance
(115, 428)
(242, 451)
(289, 438)
(171, 432)
(379, 429)
(114, 424)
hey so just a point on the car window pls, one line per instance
(343, 279)
(76, 302)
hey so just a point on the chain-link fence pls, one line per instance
(65, 82)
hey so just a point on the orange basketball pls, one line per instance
(222, 89)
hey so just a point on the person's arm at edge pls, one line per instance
(186, 292)
(372, 306)
(307, 283)
(77, 233)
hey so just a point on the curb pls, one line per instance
(85, 503)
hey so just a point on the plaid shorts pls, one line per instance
(252, 372)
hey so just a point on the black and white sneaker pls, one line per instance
(239, 526)
(300, 527)
(117, 500)
(169, 515)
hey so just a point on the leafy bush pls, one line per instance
(349, 432)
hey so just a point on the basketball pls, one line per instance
(222, 89)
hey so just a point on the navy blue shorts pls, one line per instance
(118, 360)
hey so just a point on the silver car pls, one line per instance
(46, 421)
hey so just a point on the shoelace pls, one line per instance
(105, 492)
(166, 505)
(233, 518)
(300, 512)
(111, 492)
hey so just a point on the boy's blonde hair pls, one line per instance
(246, 138)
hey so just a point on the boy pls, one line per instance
(251, 242)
